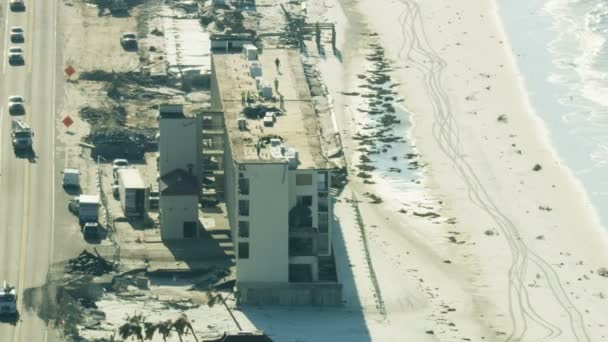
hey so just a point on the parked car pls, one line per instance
(154, 197)
(90, 231)
(17, 35)
(119, 164)
(71, 178)
(15, 55)
(16, 105)
(17, 5)
(128, 40)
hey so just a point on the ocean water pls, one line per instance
(561, 48)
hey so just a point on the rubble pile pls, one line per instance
(224, 19)
(259, 111)
(88, 263)
(121, 142)
(107, 117)
(214, 277)
(97, 75)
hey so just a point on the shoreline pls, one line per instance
(565, 137)
(502, 266)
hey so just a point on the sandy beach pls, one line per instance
(515, 251)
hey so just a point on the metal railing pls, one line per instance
(368, 258)
(109, 219)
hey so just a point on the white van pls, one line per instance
(71, 178)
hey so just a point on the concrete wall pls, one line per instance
(230, 189)
(315, 294)
(179, 145)
(268, 224)
(216, 97)
(174, 211)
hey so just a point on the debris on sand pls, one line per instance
(88, 263)
(122, 142)
(537, 167)
(426, 214)
(374, 198)
(96, 117)
(603, 272)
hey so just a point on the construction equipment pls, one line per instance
(21, 136)
(8, 300)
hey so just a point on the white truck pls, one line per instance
(21, 136)
(71, 178)
(8, 300)
(88, 209)
(133, 193)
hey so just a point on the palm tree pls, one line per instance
(180, 326)
(164, 328)
(132, 328)
(149, 330)
(182, 323)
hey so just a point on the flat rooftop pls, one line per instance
(298, 127)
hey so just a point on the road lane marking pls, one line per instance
(5, 52)
(22, 255)
(1, 122)
(53, 128)
(30, 29)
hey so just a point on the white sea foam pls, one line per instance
(580, 57)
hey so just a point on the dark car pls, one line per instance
(128, 40)
(17, 35)
(154, 199)
(17, 5)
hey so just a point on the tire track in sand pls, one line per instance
(521, 311)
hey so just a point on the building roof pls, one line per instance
(178, 183)
(93, 199)
(131, 178)
(298, 128)
(187, 44)
(232, 36)
(242, 337)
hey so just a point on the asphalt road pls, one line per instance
(27, 186)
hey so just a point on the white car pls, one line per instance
(15, 55)
(17, 5)
(119, 164)
(17, 35)
(16, 105)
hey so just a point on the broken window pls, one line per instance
(300, 273)
(243, 250)
(322, 181)
(244, 229)
(323, 202)
(244, 207)
(301, 246)
(304, 179)
(323, 223)
(189, 230)
(243, 185)
(301, 214)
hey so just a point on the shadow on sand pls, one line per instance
(319, 324)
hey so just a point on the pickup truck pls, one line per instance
(21, 136)
(8, 300)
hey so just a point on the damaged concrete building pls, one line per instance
(179, 167)
(277, 180)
